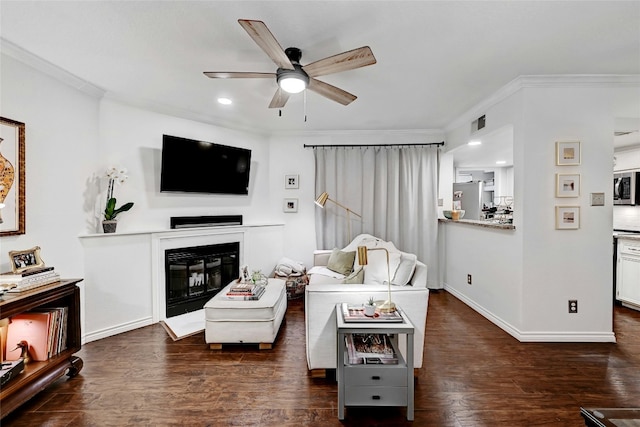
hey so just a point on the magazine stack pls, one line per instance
(245, 291)
(375, 349)
(29, 279)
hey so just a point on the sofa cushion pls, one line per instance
(357, 276)
(405, 270)
(341, 262)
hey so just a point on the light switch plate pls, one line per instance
(597, 199)
(440, 202)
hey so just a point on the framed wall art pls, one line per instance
(12, 177)
(290, 205)
(568, 153)
(567, 217)
(567, 185)
(291, 181)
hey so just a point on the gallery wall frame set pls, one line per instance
(568, 153)
(12, 177)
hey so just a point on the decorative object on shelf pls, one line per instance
(454, 215)
(115, 176)
(568, 153)
(291, 181)
(322, 200)
(567, 185)
(567, 217)
(363, 259)
(290, 206)
(370, 307)
(12, 177)
(26, 260)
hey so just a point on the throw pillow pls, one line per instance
(357, 277)
(405, 270)
(341, 262)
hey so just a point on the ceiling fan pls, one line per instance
(293, 77)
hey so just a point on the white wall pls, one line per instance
(547, 267)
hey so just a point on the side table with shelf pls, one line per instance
(38, 375)
(373, 384)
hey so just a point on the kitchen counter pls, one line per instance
(478, 223)
(635, 236)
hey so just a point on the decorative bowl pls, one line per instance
(447, 214)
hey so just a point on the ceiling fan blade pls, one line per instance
(260, 34)
(331, 92)
(344, 61)
(238, 75)
(279, 99)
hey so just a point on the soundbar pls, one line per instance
(205, 221)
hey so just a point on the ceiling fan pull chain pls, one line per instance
(305, 106)
(280, 113)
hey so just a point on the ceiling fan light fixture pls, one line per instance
(292, 81)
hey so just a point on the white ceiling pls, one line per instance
(436, 59)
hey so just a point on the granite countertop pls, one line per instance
(478, 223)
(625, 236)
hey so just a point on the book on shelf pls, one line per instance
(243, 288)
(27, 285)
(16, 276)
(355, 313)
(45, 332)
(370, 349)
(27, 279)
(10, 370)
(247, 296)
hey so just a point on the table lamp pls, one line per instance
(388, 306)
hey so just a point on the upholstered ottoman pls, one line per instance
(235, 322)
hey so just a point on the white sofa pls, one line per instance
(324, 291)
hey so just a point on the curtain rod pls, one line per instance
(373, 145)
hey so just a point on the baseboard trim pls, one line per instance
(533, 336)
(117, 329)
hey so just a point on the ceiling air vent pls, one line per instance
(478, 124)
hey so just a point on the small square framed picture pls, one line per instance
(291, 181)
(567, 185)
(290, 205)
(568, 153)
(567, 217)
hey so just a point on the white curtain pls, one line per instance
(394, 188)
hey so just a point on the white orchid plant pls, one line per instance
(115, 176)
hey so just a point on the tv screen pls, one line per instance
(203, 167)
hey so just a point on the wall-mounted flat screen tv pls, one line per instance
(190, 166)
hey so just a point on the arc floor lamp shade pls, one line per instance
(324, 198)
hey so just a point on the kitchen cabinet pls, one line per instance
(628, 271)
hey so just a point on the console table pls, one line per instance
(38, 375)
(375, 385)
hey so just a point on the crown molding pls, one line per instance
(16, 52)
(544, 81)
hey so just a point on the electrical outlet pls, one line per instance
(597, 199)
(573, 306)
(468, 279)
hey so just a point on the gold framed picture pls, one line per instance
(12, 177)
(567, 185)
(567, 217)
(26, 260)
(568, 153)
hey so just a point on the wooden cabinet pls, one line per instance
(38, 375)
(628, 273)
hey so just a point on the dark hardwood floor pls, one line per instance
(474, 375)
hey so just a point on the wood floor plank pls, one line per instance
(474, 374)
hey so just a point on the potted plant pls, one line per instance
(370, 307)
(115, 175)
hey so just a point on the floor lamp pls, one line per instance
(322, 200)
(388, 306)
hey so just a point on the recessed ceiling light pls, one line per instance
(225, 101)
(501, 162)
(475, 142)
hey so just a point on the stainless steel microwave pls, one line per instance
(626, 188)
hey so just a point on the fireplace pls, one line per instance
(197, 273)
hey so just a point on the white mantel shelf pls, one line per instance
(179, 230)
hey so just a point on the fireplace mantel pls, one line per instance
(124, 281)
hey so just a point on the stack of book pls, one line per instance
(245, 291)
(45, 332)
(27, 280)
(370, 349)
